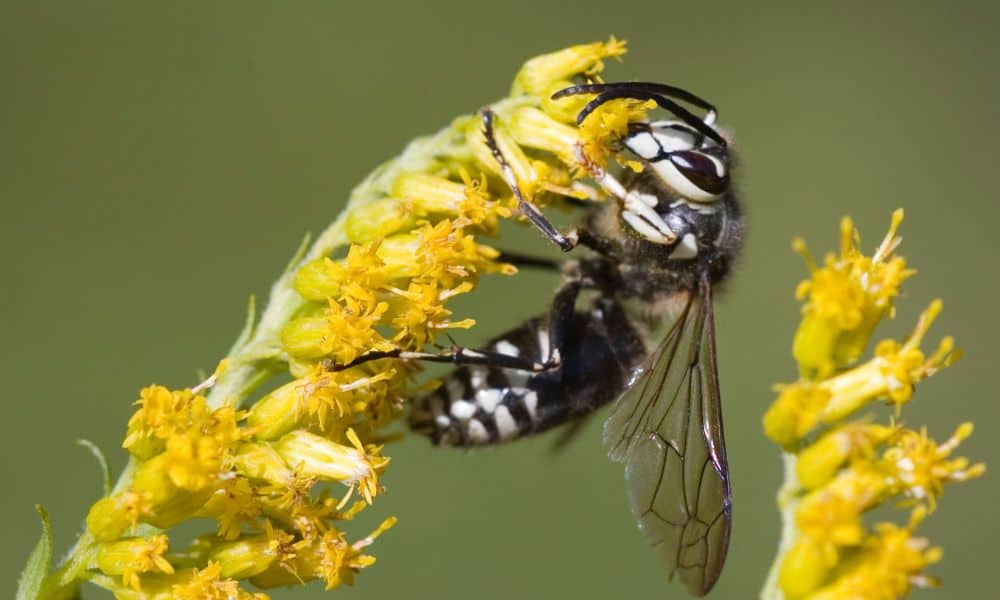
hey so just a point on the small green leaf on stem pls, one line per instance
(102, 461)
(29, 586)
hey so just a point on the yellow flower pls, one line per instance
(602, 128)
(537, 74)
(820, 462)
(252, 555)
(330, 558)
(845, 299)
(233, 505)
(356, 465)
(112, 516)
(322, 278)
(208, 584)
(892, 372)
(168, 503)
(161, 413)
(478, 208)
(323, 397)
(796, 411)
(262, 463)
(423, 314)
(920, 467)
(534, 128)
(805, 566)
(131, 557)
(850, 468)
(832, 519)
(346, 331)
(467, 199)
(891, 563)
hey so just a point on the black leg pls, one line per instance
(601, 245)
(456, 355)
(560, 314)
(529, 210)
(529, 262)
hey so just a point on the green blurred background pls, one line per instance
(160, 161)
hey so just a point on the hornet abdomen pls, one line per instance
(478, 405)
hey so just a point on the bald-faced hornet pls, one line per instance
(670, 234)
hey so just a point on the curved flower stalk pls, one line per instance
(281, 473)
(839, 466)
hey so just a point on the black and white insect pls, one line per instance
(656, 251)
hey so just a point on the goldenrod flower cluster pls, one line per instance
(840, 466)
(281, 473)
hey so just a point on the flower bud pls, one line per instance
(263, 463)
(277, 413)
(169, 504)
(306, 338)
(315, 456)
(795, 412)
(819, 462)
(316, 281)
(133, 556)
(378, 218)
(112, 516)
(243, 558)
(533, 128)
(805, 568)
(538, 73)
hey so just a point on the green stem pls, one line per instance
(788, 500)
(256, 352)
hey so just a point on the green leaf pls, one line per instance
(29, 586)
(101, 460)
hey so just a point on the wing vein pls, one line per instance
(667, 430)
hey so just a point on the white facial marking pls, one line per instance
(648, 199)
(675, 179)
(665, 136)
(506, 426)
(643, 144)
(686, 249)
(530, 400)
(462, 409)
(671, 139)
(442, 421)
(477, 432)
(641, 210)
(704, 209)
(505, 347)
(543, 344)
(488, 399)
(643, 228)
